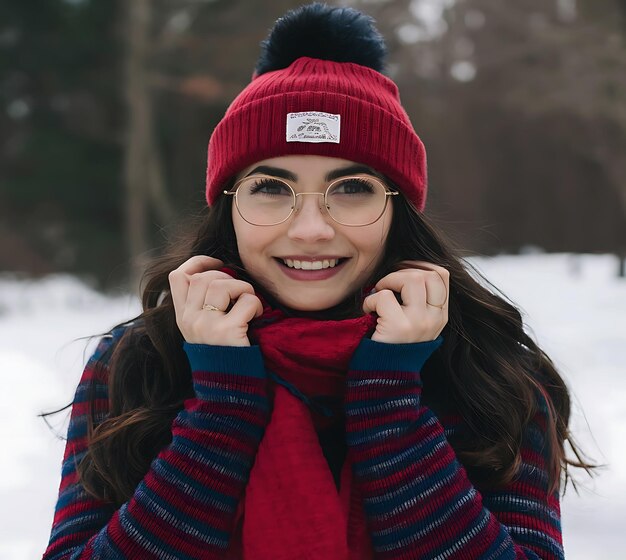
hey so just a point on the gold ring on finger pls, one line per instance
(210, 307)
(446, 298)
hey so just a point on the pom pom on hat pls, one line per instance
(314, 104)
(324, 32)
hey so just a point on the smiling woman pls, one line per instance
(292, 258)
(315, 373)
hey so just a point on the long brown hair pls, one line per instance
(488, 370)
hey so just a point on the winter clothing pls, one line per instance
(318, 89)
(315, 441)
(417, 499)
(319, 107)
(291, 477)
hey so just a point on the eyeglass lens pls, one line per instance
(350, 200)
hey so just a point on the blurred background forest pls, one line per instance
(107, 107)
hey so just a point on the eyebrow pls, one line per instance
(334, 174)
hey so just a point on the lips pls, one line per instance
(311, 268)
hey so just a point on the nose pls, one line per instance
(310, 221)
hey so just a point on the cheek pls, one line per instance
(246, 238)
(253, 244)
(248, 248)
(374, 240)
(373, 253)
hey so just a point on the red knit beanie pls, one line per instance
(319, 107)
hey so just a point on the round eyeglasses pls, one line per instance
(264, 200)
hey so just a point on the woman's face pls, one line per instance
(311, 236)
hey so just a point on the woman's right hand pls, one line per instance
(198, 282)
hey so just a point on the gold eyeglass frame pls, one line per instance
(235, 190)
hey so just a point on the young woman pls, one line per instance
(316, 374)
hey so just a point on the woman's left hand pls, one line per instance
(422, 312)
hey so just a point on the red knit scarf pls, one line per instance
(292, 508)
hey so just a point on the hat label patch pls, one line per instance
(313, 126)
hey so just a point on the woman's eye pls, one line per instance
(269, 186)
(354, 186)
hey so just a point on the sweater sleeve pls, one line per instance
(418, 498)
(185, 506)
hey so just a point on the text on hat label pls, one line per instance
(313, 126)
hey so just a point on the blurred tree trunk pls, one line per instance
(138, 116)
(145, 185)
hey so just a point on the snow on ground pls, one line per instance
(574, 305)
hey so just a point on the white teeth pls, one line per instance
(311, 265)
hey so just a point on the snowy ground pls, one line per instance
(574, 305)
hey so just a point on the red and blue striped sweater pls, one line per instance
(418, 498)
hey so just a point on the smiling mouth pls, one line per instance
(311, 265)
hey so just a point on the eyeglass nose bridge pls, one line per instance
(296, 208)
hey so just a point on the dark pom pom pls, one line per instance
(320, 31)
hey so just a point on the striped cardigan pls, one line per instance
(418, 498)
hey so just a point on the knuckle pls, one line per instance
(187, 264)
(415, 273)
(249, 286)
(219, 275)
(246, 297)
(245, 287)
(207, 276)
(386, 295)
